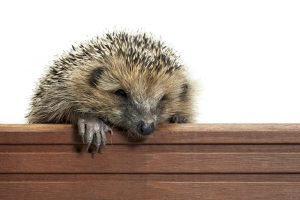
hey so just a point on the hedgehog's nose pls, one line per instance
(145, 128)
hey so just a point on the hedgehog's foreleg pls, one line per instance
(93, 130)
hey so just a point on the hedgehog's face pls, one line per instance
(137, 116)
(135, 100)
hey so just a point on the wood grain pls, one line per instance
(165, 134)
(180, 161)
(150, 186)
(149, 189)
(219, 177)
(133, 161)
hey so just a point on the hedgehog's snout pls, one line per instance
(145, 128)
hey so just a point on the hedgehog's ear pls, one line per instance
(184, 90)
(94, 76)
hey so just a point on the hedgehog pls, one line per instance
(130, 81)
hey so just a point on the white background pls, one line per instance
(244, 54)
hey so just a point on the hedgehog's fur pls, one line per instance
(83, 82)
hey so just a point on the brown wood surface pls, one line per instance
(165, 134)
(136, 186)
(152, 159)
(186, 161)
(128, 190)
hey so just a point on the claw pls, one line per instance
(98, 148)
(103, 137)
(88, 146)
(98, 141)
(177, 119)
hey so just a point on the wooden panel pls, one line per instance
(186, 161)
(128, 190)
(257, 178)
(123, 187)
(152, 159)
(140, 148)
(165, 134)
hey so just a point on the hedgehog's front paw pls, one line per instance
(178, 119)
(93, 130)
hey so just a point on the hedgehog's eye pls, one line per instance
(121, 93)
(164, 98)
